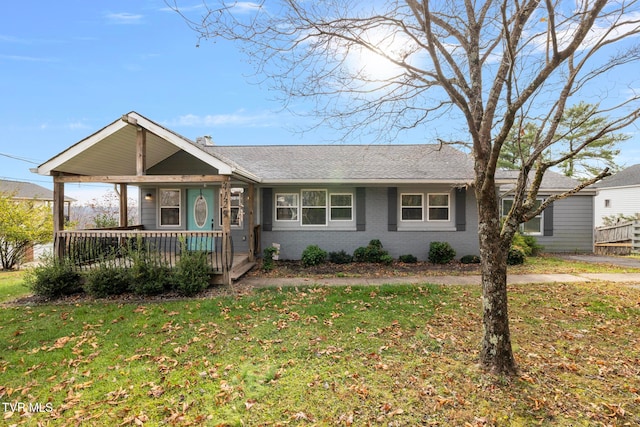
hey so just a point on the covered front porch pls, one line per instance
(122, 247)
(186, 199)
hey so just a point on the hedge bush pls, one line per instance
(441, 253)
(373, 252)
(191, 274)
(340, 257)
(470, 259)
(408, 259)
(54, 278)
(516, 256)
(313, 255)
(107, 280)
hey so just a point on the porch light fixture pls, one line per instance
(148, 197)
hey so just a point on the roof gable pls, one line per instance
(112, 150)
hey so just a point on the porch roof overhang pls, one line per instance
(110, 155)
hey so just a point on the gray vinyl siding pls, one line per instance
(572, 226)
(415, 242)
(181, 163)
(148, 212)
(149, 216)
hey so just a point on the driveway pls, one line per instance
(602, 259)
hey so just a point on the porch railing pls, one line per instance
(86, 248)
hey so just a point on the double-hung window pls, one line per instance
(287, 207)
(341, 206)
(314, 207)
(438, 207)
(237, 206)
(534, 225)
(411, 207)
(170, 207)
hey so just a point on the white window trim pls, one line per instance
(297, 206)
(412, 207)
(160, 207)
(240, 207)
(325, 207)
(332, 206)
(441, 207)
(540, 232)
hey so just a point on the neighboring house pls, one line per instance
(336, 196)
(24, 191)
(618, 194)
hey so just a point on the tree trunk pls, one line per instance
(496, 355)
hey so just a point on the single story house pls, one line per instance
(242, 199)
(618, 194)
(28, 191)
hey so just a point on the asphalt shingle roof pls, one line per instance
(626, 177)
(424, 162)
(27, 191)
(550, 181)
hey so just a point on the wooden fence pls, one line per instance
(618, 239)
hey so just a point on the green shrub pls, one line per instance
(107, 280)
(527, 244)
(340, 257)
(532, 244)
(371, 253)
(267, 260)
(408, 259)
(441, 253)
(470, 259)
(191, 274)
(313, 255)
(386, 259)
(147, 276)
(54, 278)
(516, 256)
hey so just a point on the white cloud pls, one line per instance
(239, 7)
(22, 58)
(239, 118)
(123, 18)
(77, 125)
(246, 7)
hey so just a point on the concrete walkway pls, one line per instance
(630, 278)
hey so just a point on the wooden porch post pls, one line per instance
(227, 258)
(124, 208)
(141, 152)
(252, 223)
(58, 216)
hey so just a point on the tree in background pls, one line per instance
(579, 123)
(23, 223)
(478, 67)
(103, 212)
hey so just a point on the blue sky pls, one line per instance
(70, 67)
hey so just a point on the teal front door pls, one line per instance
(200, 218)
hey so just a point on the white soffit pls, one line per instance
(112, 150)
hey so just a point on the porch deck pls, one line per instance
(86, 249)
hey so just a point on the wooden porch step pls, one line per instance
(241, 265)
(239, 270)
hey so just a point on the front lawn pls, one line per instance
(12, 285)
(389, 355)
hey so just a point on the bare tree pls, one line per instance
(487, 65)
